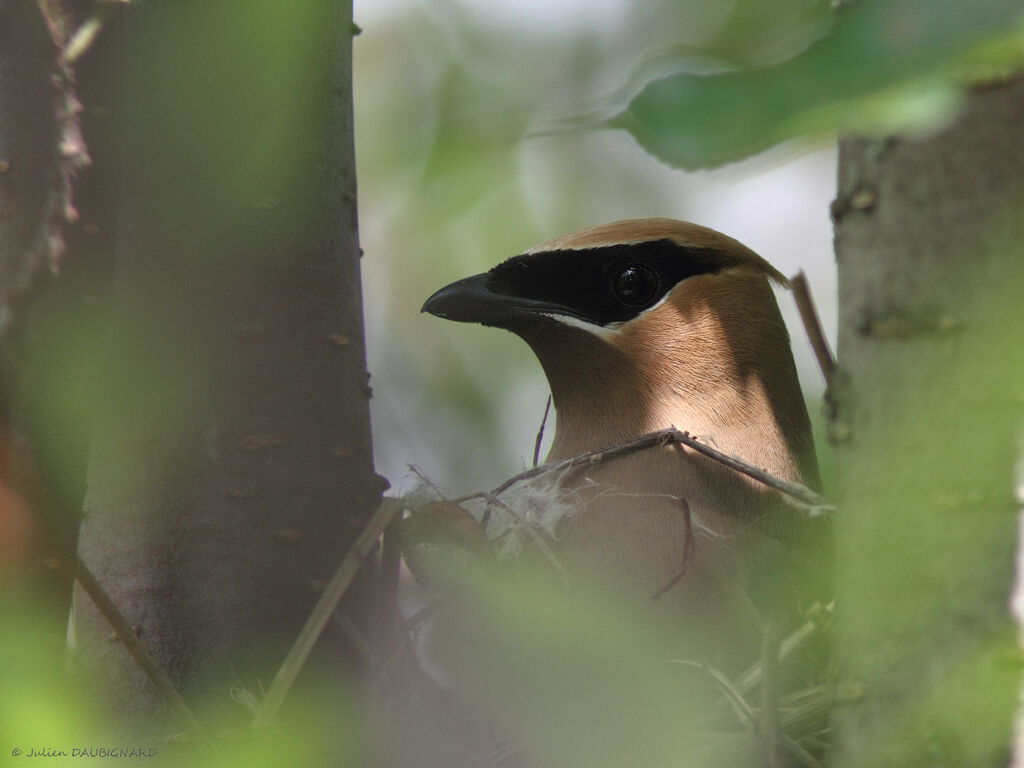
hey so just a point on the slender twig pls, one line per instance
(801, 493)
(340, 581)
(752, 677)
(390, 575)
(688, 547)
(130, 640)
(743, 711)
(540, 433)
(805, 757)
(813, 502)
(812, 324)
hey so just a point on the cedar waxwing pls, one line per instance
(646, 324)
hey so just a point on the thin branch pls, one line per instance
(812, 324)
(805, 757)
(540, 433)
(390, 575)
(743, 711)
(813, 502)
(752, 677)
(340, 581)
(688, 548)
(137, 648)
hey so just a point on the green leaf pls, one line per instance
(857, 73)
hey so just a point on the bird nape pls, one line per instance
(646, 324)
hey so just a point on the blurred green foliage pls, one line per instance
(450, 187)
(779, 72)
(930, 495)
(47, 707)
(203, 132)
(878, 56)
(36, 704)
(583, 678)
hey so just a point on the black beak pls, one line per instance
(470, 300)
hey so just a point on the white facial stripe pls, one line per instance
(656, 304)
(603, 332)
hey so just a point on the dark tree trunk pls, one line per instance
(45, 322)
(930, 243)
(232, 467)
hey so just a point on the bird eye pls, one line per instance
(635, 285)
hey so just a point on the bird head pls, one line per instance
(643, 324)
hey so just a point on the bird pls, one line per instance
(641, 325)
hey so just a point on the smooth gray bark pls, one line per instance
(930, 243)
(232, 467)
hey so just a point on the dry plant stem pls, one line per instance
(743, 711)
(753, 676)
(808, 499)
(390, 575)
(540, 433)
(805, 757)
(340, 581)
(812, 721)
(688, 548)
(812, 324)
(137, 648)
(746, 715)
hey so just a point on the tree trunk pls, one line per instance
(44, 322)
(232, 466)
(930, 244)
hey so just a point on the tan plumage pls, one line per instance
(708, 354)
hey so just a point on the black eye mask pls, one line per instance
(604, 285)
